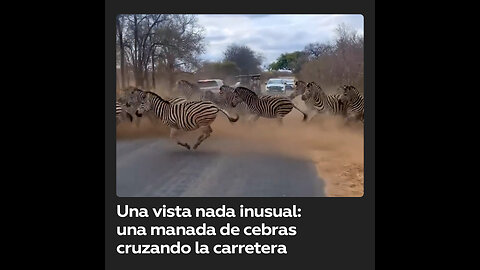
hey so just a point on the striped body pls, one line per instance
(315, 96)
(266, 106)
(354, 101)
(186, 116)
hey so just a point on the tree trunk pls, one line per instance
(122, 52)
(145, 76)
(153, 69)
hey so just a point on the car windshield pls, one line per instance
(275, 82)
(207, 83)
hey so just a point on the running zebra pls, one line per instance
(151, 114)
(266, 106)
(185, 116)
(321, 102)
(188, 90)
(121, 113)
(300, 87)
(353, 100)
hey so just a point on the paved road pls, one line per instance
(160, 168)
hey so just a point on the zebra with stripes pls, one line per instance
(180, 117)
(121, 112)
(354, 102)
(321, 102)
(266, 106)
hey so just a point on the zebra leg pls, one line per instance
(173, 134)
(206, 133)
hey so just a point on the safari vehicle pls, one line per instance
(251, 81)
(212, 85)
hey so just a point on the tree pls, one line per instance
(245, 58)
(179, 44)
(157, 42)
(337, 62)
(120, 29)
(139, 29)
(291, 61)
(315, 50)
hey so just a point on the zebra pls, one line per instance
(151, 115)
(321, 102)
(300, 87)
(188, 90)
(354, 102)
(266, 106)
(121, 112)
(185, 116)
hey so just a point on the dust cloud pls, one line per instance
(337, 149)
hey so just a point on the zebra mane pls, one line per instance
(226, 87)
(354, 89)
(156, 95)
(300, 82)
(245, 90)
(316, 86)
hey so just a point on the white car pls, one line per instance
(210, 85)
(290, 83)
(276, 85)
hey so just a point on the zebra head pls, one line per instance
(242, 94)
(300, 87)
(133, 96)
(225, 89)
(311, 89)
(349, 93)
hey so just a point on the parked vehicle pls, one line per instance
(290, 83)
(276, 85)
(212, 85)
(251, 81)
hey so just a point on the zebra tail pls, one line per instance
(230, 118)
(305, 116)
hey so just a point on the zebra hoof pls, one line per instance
(185, 145)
